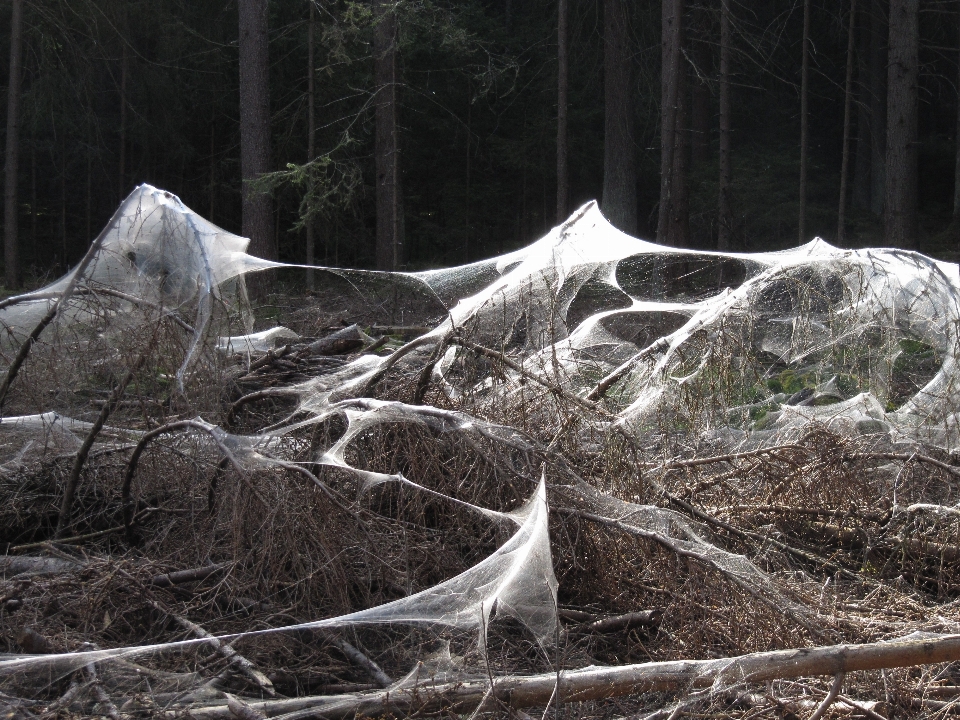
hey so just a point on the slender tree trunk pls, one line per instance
(619, 152)
(900, 211)
(563, 188)
(861, 170)
(11, 241)
(88, 227)
(311, 132)
(878, 105)
(212, 188)
(700, 120)
(33, 193)
(671, 114)
(122, 165)
(256, 207)
(956, 174)
(466, 224)
(804, 119)
(725, 219)
(387, 150)
(678, 230)
(847, 104)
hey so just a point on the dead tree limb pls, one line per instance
(184, 576)
(905, 457)
(516, 367)
(54, 308)
(236, 660)
(66, 507)
(598, 683)
(258, 395)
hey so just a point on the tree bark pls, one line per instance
(595, 683)
(847, 103)
(804, 119)
(956, 173)
(672, 113)
(878, 105)
(11, 242)
(861, 172)
(311, 132)
(389, 213)
(122, 164)
(256, 208)
(700, 120)
(725, 220)
(563, 186)
(619, 152)
(900, 200)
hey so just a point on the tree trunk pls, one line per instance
(563, 187)
(256, 208)
(387, 150)
(122, 164)
(956, 174)
(311, 133)
(878, 105)
(900, 200)
(11, 242)
(671, 113)
(700, 120)
(804, 120)
(619, 152)
(847, 102)
(725, 219)
(861, 170)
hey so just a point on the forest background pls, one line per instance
(424, 133)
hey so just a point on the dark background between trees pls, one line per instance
(436, 130)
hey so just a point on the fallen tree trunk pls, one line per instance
(606, 682)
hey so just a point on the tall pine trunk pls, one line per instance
(122, 164)
(257, 211)
(956, 174)
(563, 179)
(804, 119)
(387, 148)
(619, 153)
(900, 200)
(878, 105)
(700, 120)
(671, 115)
(11, 243)
(861, 169)
(311, 133)
(725, 219)
(847, 106)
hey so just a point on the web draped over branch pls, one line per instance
(587, 339)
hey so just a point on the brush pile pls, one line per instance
(595, 477)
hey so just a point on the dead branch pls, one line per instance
(54, 309)
(12, 566)
(258, 395)
(616, 623)
(184, 576)
(235, 659)
(831, 696)
(905, 457)
(341, 342)
(516, 367)
(606, 682)
(66, 508)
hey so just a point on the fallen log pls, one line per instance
(11, 566)
(616, 623)
(595, 683)
(341, 342)
(236, 660)
(184, 576)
